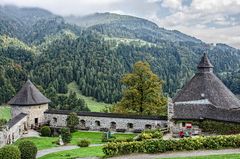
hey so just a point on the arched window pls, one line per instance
(130, 125)
(147, 126)
(158, 126)
(113, 125)
(54, 119)
(82, 123)
(97, 123)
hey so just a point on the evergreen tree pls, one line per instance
(143, 94)
(72, 121)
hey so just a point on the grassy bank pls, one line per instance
(5, 112)
(93, 105)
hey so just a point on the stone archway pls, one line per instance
(113, 125)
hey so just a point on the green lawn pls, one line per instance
(5, 112)
(93, 137)
(81, 152)
(230, 156)
(96, 137)
(41, 142)
(93, 105)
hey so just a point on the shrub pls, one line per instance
(10, 152)
(104, 129)
(150, 134)
(66, 135)
(218, 127)
(45, 131)
(83, 143)
(28, 149)
(104, 137)
(72, 121)
(120, 130)
(137, 130)
(159, 145)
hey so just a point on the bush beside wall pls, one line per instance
(160, 146)
(218, 127)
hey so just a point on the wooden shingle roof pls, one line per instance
(206, 85)
(28, 95)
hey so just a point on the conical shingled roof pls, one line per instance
(205, 62)
(29, 95)
(206, 85)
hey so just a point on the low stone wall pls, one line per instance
(96, 121)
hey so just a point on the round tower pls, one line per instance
(31, 101)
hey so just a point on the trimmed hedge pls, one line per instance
(83, 143)
(45, 131)
(66, 135)
(28, 149)
(160, 146)
(222, 128)
(10, 152)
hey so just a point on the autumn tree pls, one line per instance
(143, 93)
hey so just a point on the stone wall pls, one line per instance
(36, 111)
(10, 135)
(113, 123)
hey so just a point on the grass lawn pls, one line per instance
(229, 156)
(81, 152)
(93, 137)
(96, 137)
(5, 112)
(41, 142)
(92, 104)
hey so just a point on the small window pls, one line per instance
(130, 125)
(97, 123)
(147, 126)
(113, 125)
(82, 123)
(36, 121)
(54, 119)
(183, 124)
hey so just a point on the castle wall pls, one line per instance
(36, 111)
(10, 135)
(96, 123)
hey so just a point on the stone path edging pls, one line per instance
(180, 154)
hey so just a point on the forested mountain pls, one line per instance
(115, 25)
(31, 25)
(37, 44)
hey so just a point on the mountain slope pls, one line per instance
(115, 25)
(55, 53)
(31, 24)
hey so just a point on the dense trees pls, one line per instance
(143, 94)
(53, 53)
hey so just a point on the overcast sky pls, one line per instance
(213, 21)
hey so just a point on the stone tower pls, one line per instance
(31, 101)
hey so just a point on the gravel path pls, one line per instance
(180, 154)
(44, 152)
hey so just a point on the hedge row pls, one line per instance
(159, 146)
(218, 127)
